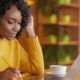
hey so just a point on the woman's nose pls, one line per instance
(16, 28)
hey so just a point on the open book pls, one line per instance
(74, 72)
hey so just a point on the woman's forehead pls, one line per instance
(13, 12)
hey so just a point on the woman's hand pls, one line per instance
(9, 74)
(30, 27)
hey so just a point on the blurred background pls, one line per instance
(57, 24)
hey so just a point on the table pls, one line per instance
(49, 77)
(46, 77)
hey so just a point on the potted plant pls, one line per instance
(63, 56)
(44, 6)
(49, 54)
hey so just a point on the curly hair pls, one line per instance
(21, 5)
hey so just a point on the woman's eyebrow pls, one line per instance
(14, 19)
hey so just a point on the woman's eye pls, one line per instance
(19, 23)
(10, 22)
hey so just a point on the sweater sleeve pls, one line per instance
(31, 61)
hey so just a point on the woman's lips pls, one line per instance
(13, 35)
(13, 32)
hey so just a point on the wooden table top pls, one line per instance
(46, 77)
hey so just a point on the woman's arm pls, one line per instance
(33, 59)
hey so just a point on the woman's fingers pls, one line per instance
(11, 74)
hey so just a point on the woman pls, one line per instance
(15, 16)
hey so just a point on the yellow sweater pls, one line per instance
(13, 55)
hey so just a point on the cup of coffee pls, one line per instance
(58, 70)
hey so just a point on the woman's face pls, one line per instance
(10, 23)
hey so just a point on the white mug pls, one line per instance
(59, 70)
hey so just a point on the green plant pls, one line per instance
(63, 56)
(49, 54)
(44, 6)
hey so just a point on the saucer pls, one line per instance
(58, 75)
